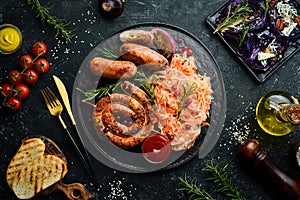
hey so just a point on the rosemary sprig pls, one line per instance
(107, 53)
(183, 100)
(58, 24)
(245, 30)
(99, 92)
(192, 190)
(222, 181)
(233, 17)
(219, 177)
(147, 84)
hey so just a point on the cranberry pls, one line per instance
(179, 40)
(106, 129)
(185, 48)
(177, 92)
(170, 137)
(180, 50)
(188, 101)
(188, 127)
(272, 2)
(190, 52)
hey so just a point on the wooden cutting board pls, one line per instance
(74, 191)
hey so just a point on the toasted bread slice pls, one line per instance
(29, 151)
(38, 175)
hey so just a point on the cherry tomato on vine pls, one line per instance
(13, 103)
(22, 91)
(39, 48)
(41, 65)
(15, 77)
(6, 90)
(30, 76)
(26, 61)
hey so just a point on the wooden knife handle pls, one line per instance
(252, 153)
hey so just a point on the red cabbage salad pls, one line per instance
(261, 30)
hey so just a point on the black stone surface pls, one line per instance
(242, 91)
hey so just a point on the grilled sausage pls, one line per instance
(112, 69)
(141, 37)
(138, 94)
(105, 121)
(131, 119)
(142, 55)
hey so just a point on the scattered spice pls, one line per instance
(117, 192)
(241, 127)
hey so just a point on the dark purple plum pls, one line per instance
(111, 8)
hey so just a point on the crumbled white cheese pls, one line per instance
(287, 13)
(265, 56)
(284, 9)
(273, 46)
(288, 30)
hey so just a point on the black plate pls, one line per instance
(130, 161)
(260, 75)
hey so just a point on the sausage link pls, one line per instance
(142, 55)
(112, 69)
(138, 94)
(113, 111)
(116, 132)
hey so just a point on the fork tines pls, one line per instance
(50, 97)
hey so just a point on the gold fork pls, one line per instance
(53, 104)
(56, 108)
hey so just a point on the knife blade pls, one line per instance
(64, 95)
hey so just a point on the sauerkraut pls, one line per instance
(182, 101)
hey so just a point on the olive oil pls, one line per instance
(273, 113)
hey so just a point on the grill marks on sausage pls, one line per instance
(143, 56)
(112, 69)
(110, 109)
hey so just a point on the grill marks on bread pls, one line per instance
(36, 166)
(29, 150)
(38, 175)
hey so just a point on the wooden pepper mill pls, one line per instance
(252, 153)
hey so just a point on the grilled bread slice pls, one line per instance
(29, 150)
(38, 175)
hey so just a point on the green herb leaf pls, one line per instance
(186, 92)
(222, 180)
(99, 92)
(191, 188)
(147, 84)
(245, 30)
(58, 24)
(234, 17)
(107, 53)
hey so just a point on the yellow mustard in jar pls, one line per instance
(10, 38)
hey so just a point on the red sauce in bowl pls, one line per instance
(156, 148)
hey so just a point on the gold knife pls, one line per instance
(64, 95)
